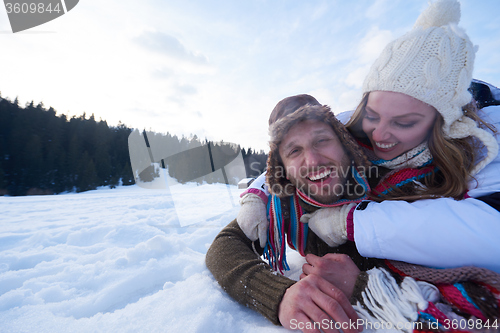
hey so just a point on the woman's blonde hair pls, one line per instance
(454, 159)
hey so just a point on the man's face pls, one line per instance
(315, 160)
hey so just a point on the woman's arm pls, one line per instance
(437, 232)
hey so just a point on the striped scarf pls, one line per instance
(467, 291)
(295, 235)
(400, 178)
(294, 232)
(408, 168)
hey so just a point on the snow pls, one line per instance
(118, 260)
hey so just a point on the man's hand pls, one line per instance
(315, 300)
(337, 269)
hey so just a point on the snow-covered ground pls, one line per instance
(117, 260)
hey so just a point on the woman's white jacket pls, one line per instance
(437, 232)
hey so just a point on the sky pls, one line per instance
(214, 69)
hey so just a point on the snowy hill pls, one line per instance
(117, 261)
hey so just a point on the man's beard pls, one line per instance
(325, 193)
(328, 195)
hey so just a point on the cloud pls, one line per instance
(378, 9)
(179, 92)
(355, 78)
(186, 89)
(319, 11)
(372, 44)
(169, 46)
(164, 73)
(368, 49)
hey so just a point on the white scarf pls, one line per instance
(413, 158)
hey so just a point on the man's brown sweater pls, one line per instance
(251, 281)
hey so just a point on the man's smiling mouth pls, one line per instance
(320, 176)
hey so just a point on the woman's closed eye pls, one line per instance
(405, 125)
(371, 118)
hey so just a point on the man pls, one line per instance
(311, 161)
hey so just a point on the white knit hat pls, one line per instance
(433, 63)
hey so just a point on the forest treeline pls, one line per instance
(42, 152)
(192, 160)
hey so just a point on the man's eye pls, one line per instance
(324, 140)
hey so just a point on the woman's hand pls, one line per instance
(329, 224)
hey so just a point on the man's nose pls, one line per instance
(311, 157)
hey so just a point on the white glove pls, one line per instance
(329, 224)
(252, 218)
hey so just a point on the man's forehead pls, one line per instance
(310, 127)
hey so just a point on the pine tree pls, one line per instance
(3, 183)
(87, 179)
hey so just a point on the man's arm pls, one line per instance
(244, 275)
(252, 282)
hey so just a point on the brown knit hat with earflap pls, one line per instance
(290, 105)
(283, 122)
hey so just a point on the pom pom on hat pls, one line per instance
(433, 63)
(439, 13)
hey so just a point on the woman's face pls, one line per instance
(396, 123)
